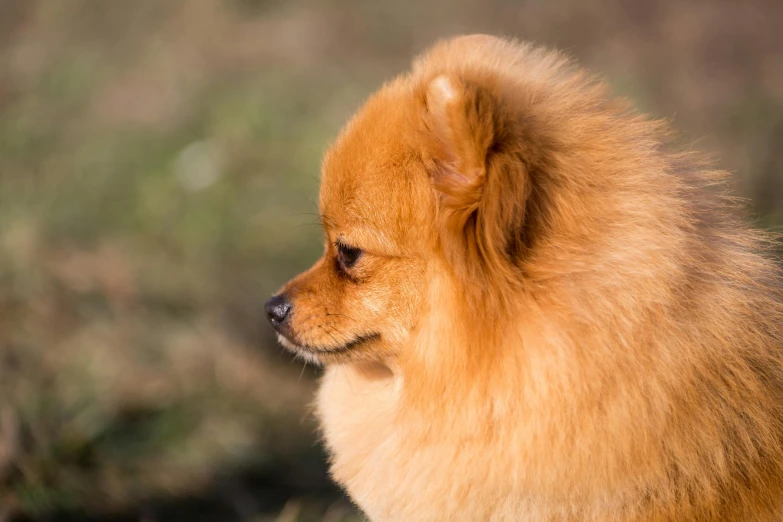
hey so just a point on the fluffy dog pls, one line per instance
(531, 306)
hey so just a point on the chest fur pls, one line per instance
(394, 474)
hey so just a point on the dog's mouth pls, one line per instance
(320, 354)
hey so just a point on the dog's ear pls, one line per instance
(475, 164)
(459, 119)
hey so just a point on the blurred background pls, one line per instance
(159, 165)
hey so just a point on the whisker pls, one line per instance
(328, 314)
(311, 224)
(330, 334)
(326, 221)
(304, 365)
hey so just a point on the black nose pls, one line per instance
(277, 309)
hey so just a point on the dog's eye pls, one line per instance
(347, 256)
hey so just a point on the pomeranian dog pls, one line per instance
(532, 307)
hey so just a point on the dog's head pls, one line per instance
(361, 298)
(432, 176)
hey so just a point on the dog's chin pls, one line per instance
(353, 350)
(299, 351)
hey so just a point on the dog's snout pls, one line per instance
(277, 309)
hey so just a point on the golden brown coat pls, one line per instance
(557, 316)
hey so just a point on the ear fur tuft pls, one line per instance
(463, 137)
(482, 185)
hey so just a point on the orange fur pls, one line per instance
(556, 316)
